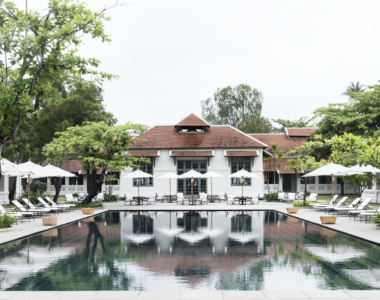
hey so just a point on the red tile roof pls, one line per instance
(285, 143)
(301, 132)
(217, 136)
(192, 120)
(274, 166)
(192, 153)
(241, 153)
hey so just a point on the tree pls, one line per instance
(300, 123)
(257, 125)
(359, 116)
(38, 51)
(353, 87)
(99, 147)
(70, 105)
(233, 106)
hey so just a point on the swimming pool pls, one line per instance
(226, 250)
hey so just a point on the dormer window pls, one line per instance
(192, 124)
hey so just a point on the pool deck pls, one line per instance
(362, 230)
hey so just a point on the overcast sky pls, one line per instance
(172, 54)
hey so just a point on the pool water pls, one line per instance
(226, 250)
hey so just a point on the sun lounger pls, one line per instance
(36, 212)
(70, 198)
(367, 214)
(56, 207)
(312, 197)
(331, 202)
(338, 204)
(31, 206)
(16, 214)
(53, 204)
(350, 210)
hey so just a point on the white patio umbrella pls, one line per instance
(57, 172)
(34, 170)
(10, 169)
(242, 174)
(191, 174)
(211, 175)
(170, 176)
(138, 174)
(328, 170)
(365, 169)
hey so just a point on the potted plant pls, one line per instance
(292, 210)
(6, 222)
(376, 220)
(328, 219)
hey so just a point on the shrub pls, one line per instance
(33, 196)
(110, 198)
(271, 197)
(7, 220)
(38, 186)
(300, 203)
(376, 219)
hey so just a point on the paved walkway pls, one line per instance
(362, 230)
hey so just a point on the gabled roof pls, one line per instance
(217, 136)
(285, 142)
(300, 132)
(193, 121)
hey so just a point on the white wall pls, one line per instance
(218, 163)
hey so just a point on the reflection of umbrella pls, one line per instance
(169, 175)
(369, 277)
(333, 254)
(137, 174)
(192, 237)
(170, 231)
(211, 175)
(327, 170)
(139, 239)
(191, 174)
(243, 237)
(242, 174)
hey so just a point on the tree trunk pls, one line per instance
(12, 191)
(57, 182)
(94, 186)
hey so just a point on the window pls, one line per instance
(272, 177)
(147, 168)
(325, 179)
(76, 180)
(310, 180)
(199, 185)
(238, 163)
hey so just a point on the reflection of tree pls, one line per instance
(246, 279)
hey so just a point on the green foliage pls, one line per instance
(233, 106)
(353, 88)
(256, 124)
(376, 219)
(300, 123)
(32, 196)
(301, 203)
(110, 198)
(99, 147)
(40, 50)
(67, 105)
(7, 220)
(38, 186)
(359, 116)
(271, 197)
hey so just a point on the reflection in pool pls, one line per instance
(226, 250)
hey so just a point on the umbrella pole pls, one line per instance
(50, 186)
(28, 189)
(211, 186)
(332, 185)
(242, 185)
(170, 190)
(138, 187)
